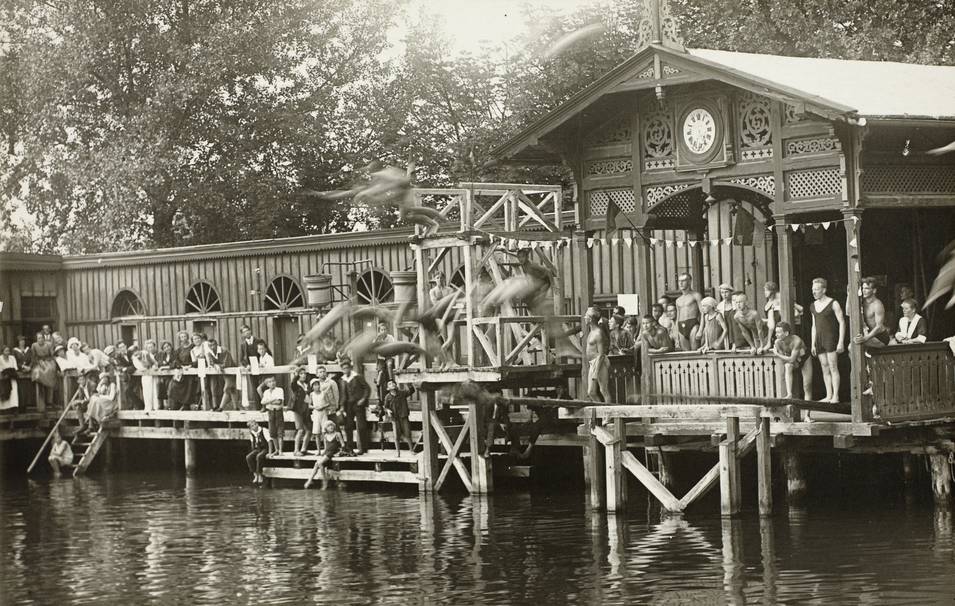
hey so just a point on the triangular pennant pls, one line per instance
(693, 243)
(615, 241)
(715, 242)
(679, 243)
(728, 241)
(653, 241)
(629, 242)
(854, 243)
(590, 242)
(668, 243)
(857, 267)
(794, 227)
(826, 224)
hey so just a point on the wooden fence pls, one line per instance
(911, 382)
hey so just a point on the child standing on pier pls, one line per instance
(273, 401)
(332, 445)
(396, 404)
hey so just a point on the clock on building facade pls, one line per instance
(701, 128)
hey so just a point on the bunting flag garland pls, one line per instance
(629, 242)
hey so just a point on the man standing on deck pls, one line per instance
(688, 313)
(873, 311)
(828, 336)
(598, 372)
(355, 393)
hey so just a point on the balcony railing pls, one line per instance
(912, 382)
(724, 374)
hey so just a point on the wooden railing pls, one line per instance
(911, 382)
(722, 374)
(624, 378)
(517, 340)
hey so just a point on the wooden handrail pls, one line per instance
(49, 436)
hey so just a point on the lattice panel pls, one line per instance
(814, 183)
(677, 207)
(755, 126)
(615, 132)
(614, 166)
(763, 183)
(909, 179)
(600, 201)
(805, 147)
(654, 195)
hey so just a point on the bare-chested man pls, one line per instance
(713, 328)
(598, 373)
(793, 351)
(688, 312)
(727, 307)
(748, 322)
(873, 311)
(654, 337)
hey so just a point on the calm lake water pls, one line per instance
(163, 538)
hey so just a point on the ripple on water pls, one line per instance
(211, 540)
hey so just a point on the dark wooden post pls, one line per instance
(795, 480)
(616, 474)
(858, 375)
(729, 470)
(764, 465)
(785, 253)
(482, 479)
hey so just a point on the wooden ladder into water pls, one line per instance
(49, 436)
(87, 451)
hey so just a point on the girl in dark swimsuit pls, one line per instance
(332, 441)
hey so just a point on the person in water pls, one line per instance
(61, 455)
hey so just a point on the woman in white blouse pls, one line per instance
(912, 326)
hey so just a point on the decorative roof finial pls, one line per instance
(658, 26)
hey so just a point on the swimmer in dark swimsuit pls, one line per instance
(688, 313)
(713, 329)
(828, 336)
(873, 311)
(792, 350)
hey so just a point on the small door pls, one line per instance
(287, 330)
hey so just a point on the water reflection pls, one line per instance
(161, 537)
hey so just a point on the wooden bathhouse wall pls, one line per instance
(162, 286)
(36, 282)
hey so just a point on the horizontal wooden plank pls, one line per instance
(345, 475)
(675, 411)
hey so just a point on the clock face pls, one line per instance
(699, 130)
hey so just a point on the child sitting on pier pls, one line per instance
(261, 446)
(332, 442)
(396, 405)
(792, 350)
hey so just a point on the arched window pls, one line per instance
(374, 286)
(283, 293)
(202, 299)
(125, 304)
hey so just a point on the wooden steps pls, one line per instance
(385, 466)
(87, 451)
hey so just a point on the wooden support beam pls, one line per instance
(191, 455)
(482, 479)
(428, 471)
(452, 450)
(729, 470)
(795, 480)
(764, 466)
(616, 479)
(594, 475)
(709, 479)
(650, 482)
(941, 480)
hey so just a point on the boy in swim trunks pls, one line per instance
(688, 313)
(713, 329)
(598, 372)
(792, 350)
(748, 322)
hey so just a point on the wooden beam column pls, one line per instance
(764, 466)
(787, 294)
(941, 479)
(616, 475)
(482, 479)
(795, 480)
(858, 376)
(729, 470)
(428, 468)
